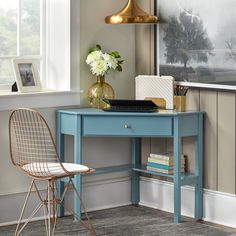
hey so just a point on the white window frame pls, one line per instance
(18, 45)
(56, 54)
(57, 41)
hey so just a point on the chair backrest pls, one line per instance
(31, 143)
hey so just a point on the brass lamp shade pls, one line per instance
(131, 13)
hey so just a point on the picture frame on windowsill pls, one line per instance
(26, 75)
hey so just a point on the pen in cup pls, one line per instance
(180, 90)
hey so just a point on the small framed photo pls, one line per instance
(27, 75)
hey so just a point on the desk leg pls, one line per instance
(60, 150)
(198, 171)
(177, 171)
(77, 159)
(135, 153)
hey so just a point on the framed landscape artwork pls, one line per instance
(196, 42)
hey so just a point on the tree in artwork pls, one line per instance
(186, 39)
(231, 46)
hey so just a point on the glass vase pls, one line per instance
(99, 91)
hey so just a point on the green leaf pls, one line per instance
(121, 62)
(93, 50)
(119, 68)
(116, 54)
(98, 47)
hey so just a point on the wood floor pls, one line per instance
(127, 221)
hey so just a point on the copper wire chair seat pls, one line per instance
(33, 151)
(54, 169)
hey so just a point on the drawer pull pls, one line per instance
(127, 127)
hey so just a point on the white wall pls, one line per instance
(13, 183)
(97, 152)
(111, 37)
(11, 179)
(121, 38)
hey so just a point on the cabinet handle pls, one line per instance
(127, 126)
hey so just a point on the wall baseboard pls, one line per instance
(218, 207)
(102, 194)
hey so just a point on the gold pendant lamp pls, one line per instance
(131, 13)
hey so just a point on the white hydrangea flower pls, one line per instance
(100, 63)
(94, 56)
(110, 60)
(99, 67)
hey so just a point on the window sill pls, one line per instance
(46, 98)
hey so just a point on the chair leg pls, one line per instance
(52, 207)
(57, 202)
(49, 208)
(30, 217)
(49, 219)
(18, 231)
(90, 228)
(54, 201)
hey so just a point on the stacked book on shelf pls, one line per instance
(164, 163)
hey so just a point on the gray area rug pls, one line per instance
(127, 221)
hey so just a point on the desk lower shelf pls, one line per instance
(112, 169)
(186, 178)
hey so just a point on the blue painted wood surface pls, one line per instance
(60, 150)
(77, 159)
(199, 169)
(97, 123)
(177, 167)
(135, 159)
(126, 126)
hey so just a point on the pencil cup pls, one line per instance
(179, 103)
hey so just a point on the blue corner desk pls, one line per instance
(97, 123)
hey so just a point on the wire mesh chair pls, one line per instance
(33, 150)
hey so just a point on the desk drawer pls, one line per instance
(127, 126)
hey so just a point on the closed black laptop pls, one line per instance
(122, 105)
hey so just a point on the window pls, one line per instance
(40, 29)
(21, 33)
